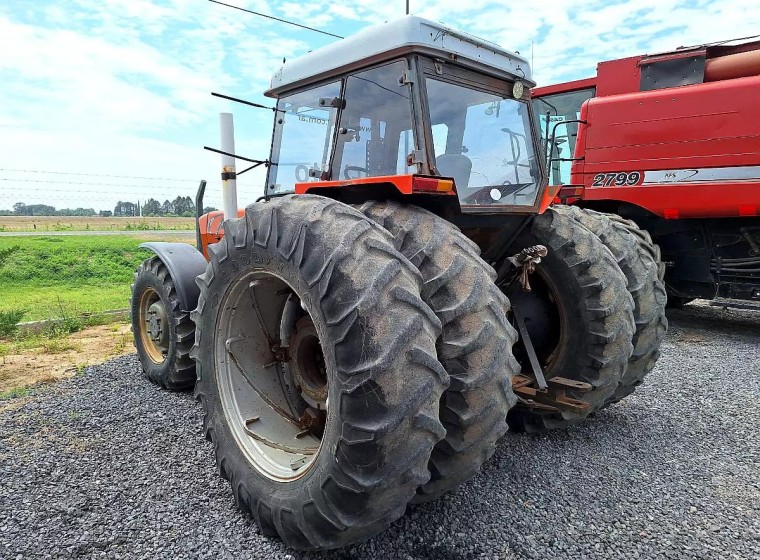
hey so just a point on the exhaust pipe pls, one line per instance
(229, 177)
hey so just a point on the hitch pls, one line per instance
(553, 397)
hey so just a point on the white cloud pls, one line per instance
(122, 86)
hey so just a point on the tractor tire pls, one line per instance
(345, 472)
(163, 333)
(645, 240)
(579, 315)
(475, 346)
(636, 259)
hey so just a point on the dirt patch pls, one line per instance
(63, 357)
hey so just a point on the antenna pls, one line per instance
(278, 19)
(407, 7)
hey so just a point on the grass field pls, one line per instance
(64, 276)
(74, 223)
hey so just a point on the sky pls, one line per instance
(107, 100)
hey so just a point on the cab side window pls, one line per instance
(373, 124)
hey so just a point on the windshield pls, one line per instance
(483, 141)
(302, 138)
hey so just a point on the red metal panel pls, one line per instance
(405, 184)
(683, 200)
(402, 182)
(618, 76)
(211, 228)
(712, 124)
(564, 87)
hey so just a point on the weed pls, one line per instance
(58, 346)
(15, 393)
(9, 321)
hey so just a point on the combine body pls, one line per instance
(671, 141)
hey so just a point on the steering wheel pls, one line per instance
(354, 169)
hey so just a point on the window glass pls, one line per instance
(487, 147)
(554, 110)
(302, 137)
(374, 125)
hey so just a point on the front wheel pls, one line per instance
(317, 371)
(163, 331)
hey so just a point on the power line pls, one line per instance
(96, 184)
(97, 175)
(154, 188)
(277, 19)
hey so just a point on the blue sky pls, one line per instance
(107, 92)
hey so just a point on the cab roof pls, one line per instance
(409, 34)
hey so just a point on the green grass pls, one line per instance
(15, 393)
(62, 277)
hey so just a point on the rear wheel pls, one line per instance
(317, 371)
(636, 260)
(579, 315)
(163, 332)
(475, 345)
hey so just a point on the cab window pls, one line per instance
(303, 135)
(375, 125)
(554, 110)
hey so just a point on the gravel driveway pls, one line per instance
(107, 465)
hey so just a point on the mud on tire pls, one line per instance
(635, 253)
(167, 361)
(383, 378)
(579, 314)
(475, 346)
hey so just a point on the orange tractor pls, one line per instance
(350, 335)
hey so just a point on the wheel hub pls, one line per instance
(157, 323)
(153, 325)
(308, 364)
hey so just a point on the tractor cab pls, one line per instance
(410, 107)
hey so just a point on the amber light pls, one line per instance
(428, 184)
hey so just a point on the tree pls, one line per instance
(76, 212)
(39, 210)
(167, 208)
(124, 209)
(105, 213)
(152, 207)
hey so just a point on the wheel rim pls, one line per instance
(544, 319)
(256, 376)
(153, 325)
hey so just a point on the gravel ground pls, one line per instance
(107, 465)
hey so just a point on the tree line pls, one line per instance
(180, 206)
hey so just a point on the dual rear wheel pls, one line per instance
(347, 369)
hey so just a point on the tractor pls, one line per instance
(353, 335)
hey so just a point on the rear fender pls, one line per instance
(184, 263)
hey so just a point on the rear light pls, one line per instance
(428, 184)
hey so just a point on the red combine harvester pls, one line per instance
(672, 142)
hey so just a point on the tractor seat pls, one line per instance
(457, 166)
